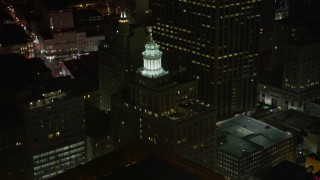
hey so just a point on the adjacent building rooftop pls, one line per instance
(295, 120)
(140, 161)
(242, 134)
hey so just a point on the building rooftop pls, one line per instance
(295, 120)
(284, 170)
(140, 161)
(20, 72)
(85, 69)
(188, 110)
(46, 34)
(148, 168)
(243, 134)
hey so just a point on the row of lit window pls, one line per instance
(198, 3)
(172, 27)
(61, 157)
(58, 150)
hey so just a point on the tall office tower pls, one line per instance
(296, 51)
(216, 42)
(56, 135)
(164, 112)
(138, 10)
(118, 54)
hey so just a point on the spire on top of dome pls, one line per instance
(149, 30)
(152, 66)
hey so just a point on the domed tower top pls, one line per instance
(152, 66)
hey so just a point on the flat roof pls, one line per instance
(188, 110)
(152, 167)
(243, 134)
(284, 170)
(293, 119)
(140, 160)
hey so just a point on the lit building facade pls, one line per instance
(216, 42)
(164, 112)
(284, 99)
(246, 145)
(56, 136)
(27, 49)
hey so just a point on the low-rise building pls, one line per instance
(302, 125)
(246, 145)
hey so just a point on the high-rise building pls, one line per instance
(165, 112)
(138, 10)
(56, 134)
(46, 122)
(119, 55)
(216, 42)
(296, 54)
(246, 145)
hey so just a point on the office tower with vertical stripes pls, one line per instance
(216, 42)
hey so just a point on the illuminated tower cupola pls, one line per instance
(152, 67)
(124, 28)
